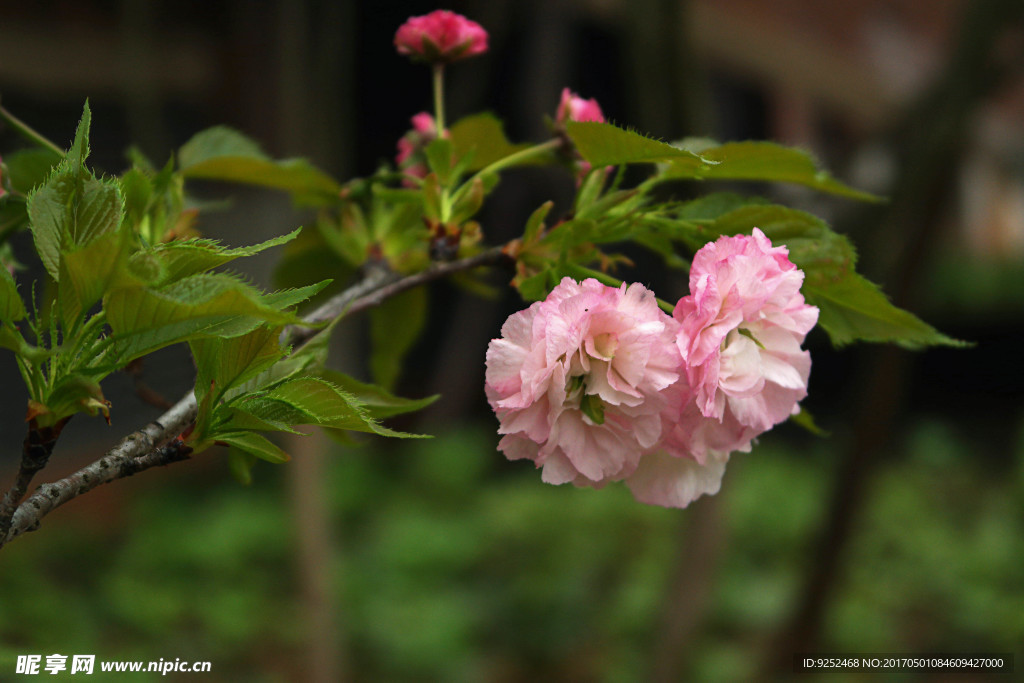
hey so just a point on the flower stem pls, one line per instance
(28, 132)
(439, 97)
(511, 160)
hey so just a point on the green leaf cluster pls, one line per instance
(119, 285)
(851, 307)
(250, 383)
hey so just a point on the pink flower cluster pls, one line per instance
(441, 37)
(411, 145)
(596, 384)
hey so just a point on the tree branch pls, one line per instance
(136, 452)
(152, 445)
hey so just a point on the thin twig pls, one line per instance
(492, 257)
(146, 448)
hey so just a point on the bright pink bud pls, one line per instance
(411, 145)
(575, 108)
(441, 36)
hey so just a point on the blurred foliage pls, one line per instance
(454, 565)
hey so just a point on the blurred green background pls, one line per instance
(902, 531)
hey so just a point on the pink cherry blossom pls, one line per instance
(740, 333)
(424, 131)
(574, 108)
(440, 37)
(583, 381)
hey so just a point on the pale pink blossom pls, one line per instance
(411, 145)
(440, 37)
(740, 333)
(572, 107)
(582, 382)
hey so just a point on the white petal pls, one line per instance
(662, 479)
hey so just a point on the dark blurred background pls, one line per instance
(903, 531)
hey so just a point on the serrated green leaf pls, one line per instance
(378, 402)
(484, 136)
(12, 308)
(69, 211)
(394, 327)
(256, 445)
(851, 307)
(224, 154)
(147, 319)
(182, 258)
(226, 363)
(79, 151)
(327, 405)
(763, 161)
(271, 413)
(286, 298)
(603, 144)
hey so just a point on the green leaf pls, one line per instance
(308, 359)
(226, 363)
(806, 420)
(325, 404)
(715, 205)
(439, 158)
(12, 308)
(854, 308)
(79, 151)
(304, 400)
(182, 258)
(603, 144)
(28, 168)
(137, 190)
(535, 224)
(224, 154)
(378, 402)
(241, 463)
(146, 319)
(851, 307)
(484, 136)
(256, 445)
(72, 208)
(76, 393)
(86, 274)
(764, 161)
(394, 327)
(216, 142)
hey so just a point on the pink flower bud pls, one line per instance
(575, 108)
(411, 145)
(441, 36)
